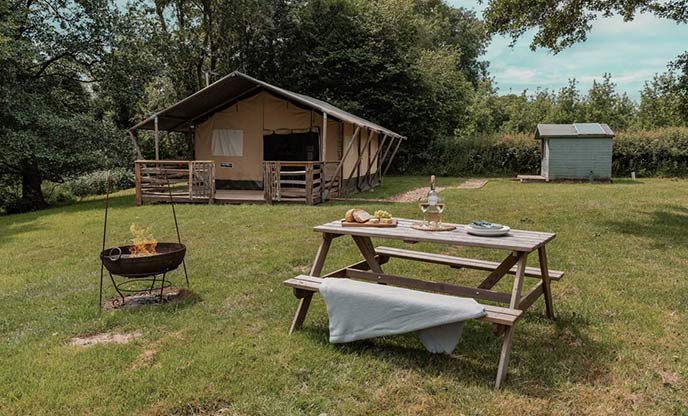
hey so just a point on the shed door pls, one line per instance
(544, 167)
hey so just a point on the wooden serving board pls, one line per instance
(369, 224)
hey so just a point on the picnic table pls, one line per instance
(519, 244)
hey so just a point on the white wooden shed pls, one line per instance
(580, 151)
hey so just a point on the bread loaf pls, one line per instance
(349, 217)
(361, 216)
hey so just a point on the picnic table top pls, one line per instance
(516, 240)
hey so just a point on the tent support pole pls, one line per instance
(157, 139)
(370, 162)
(137, 149)
(378, 165)
(391, 158)
(323, 146)
(358, 161)
(341, 162)
(374, 160)
(358, 165)
(323, 157)
(384, 156)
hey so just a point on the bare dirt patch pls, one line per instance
(134, 301)
(472, 184)
(147, 358)
(200, 408)
(144, 359)
(105, 338)
(302, 269)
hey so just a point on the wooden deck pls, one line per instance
(194, 181)
(222, 196)
(235, 196)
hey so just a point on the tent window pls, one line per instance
(291, 147)
(228, 142)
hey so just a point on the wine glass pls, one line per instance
(424, 208)
(440, 210)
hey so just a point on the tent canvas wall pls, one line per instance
(249, 124)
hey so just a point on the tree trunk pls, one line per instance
(32, 194)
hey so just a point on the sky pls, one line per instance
(631, 51)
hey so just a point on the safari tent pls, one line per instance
(256, 142)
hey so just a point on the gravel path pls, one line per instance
(420, 193)
(413, 195)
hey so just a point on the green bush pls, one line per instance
(659, 152)
(485, 155)
(63, 193)
(58, 193)
(95, 183)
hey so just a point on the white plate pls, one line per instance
(488, 232)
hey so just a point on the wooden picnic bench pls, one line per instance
(518, 243)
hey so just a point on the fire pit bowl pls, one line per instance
(120, 262)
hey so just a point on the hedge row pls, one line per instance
(660, 152)
(485, 155)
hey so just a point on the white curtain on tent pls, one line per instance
(228, 142)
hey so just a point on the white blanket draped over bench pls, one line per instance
(360, 310)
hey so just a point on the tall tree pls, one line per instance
(679, 67)
(569, 106)
(47, 51)
(130, 64)
(660, 103)
(605, 105)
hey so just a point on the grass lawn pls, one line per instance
(618, 347)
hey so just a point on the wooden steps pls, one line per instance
(531, 178)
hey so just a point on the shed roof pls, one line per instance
(183, 115)
(576, 130)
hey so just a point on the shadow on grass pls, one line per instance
(17, 224)
(625, 181)
(544, 354)
(667, 226)
(17, 228)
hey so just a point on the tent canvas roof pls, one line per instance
(573, 130)
(182, 115)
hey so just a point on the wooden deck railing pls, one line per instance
(194, 181)
(185, 180)
(306, 182)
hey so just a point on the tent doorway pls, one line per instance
(292, 147)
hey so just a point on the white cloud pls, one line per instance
(515, 74)
(631, 51)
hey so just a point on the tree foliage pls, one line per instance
(48, 51)
(560, 24)
(520, 113)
